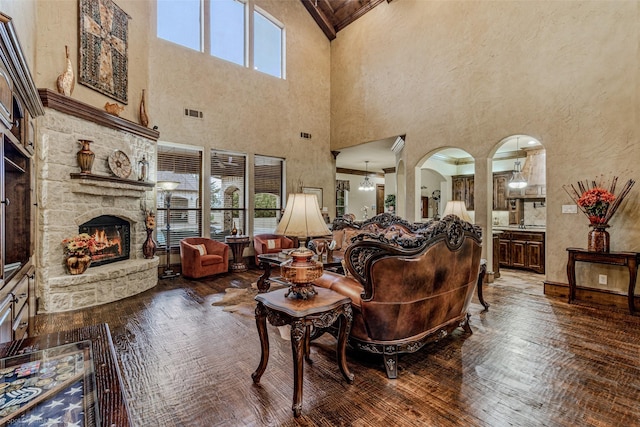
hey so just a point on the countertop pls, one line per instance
(527, 229)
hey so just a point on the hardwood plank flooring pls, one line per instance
(531, 361)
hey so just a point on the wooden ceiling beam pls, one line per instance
(321, 19)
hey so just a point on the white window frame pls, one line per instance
(249, 54)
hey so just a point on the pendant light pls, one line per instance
(366, 185)
(517, 180)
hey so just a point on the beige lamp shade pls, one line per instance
(168, 185)
(302, 217)
(457, 208)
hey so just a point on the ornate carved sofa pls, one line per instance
(408, 289)
(345, 229)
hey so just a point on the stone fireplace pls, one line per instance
(69, 202)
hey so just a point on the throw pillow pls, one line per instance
(202, 249)
(273, 244)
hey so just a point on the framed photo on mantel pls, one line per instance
(316, 191)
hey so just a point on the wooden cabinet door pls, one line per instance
(518, 253)
(458, 184)
(500, 186)
(469, 190)
(462, 189)
(535, 256)
(505, 253)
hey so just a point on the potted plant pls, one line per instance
(390, 202)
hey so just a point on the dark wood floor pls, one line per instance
(531, 361)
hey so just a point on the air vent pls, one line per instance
(193, 113)
(305, 135)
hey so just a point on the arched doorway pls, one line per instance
(443, 175)
(519, 213)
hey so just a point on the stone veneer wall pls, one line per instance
(65, 203)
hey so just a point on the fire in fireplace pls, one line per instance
(112, 236)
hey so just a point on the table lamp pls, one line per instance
(302, 219)
(457, 208)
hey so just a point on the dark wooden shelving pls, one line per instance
(103, 178)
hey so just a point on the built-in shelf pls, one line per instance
(115, 179)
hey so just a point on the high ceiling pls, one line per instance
(333, 15)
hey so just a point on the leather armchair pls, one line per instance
(270, 244)
(201, 256)
(408, 290)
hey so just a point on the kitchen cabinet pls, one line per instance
(523, 250)
(500, 191)
(463, 189)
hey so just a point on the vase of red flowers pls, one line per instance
(599, 204)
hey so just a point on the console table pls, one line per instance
(628, 259)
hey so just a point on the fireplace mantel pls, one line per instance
(73, 107)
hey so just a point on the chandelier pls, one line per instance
(517, 180)
(366, 185)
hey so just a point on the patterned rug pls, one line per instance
(242, 302)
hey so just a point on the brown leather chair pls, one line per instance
(201, 256)
(408, 290)
(270, 244)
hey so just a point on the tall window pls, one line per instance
(268, 173)
(182, 165)
(267, 44)
(228, 29)
(179, 22)
(228, 193)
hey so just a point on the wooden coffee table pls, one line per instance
(269, 260)
(321, 311)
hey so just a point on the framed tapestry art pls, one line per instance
(103, 48)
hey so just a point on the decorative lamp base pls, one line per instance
(300, 272)
(305, 291)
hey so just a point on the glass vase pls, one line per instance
(598, 239)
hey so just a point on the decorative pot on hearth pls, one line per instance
(78, 264)
(149, 246)
(598, 240)
(85, 156)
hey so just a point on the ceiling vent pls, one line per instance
(398, 145)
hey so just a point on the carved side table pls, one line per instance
(237, 245)
(321, 311)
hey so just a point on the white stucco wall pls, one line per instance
(467, 74)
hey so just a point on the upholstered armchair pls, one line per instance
(409, 289)
(201, 256)
(270, 244)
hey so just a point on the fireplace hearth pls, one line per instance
(112, 236)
